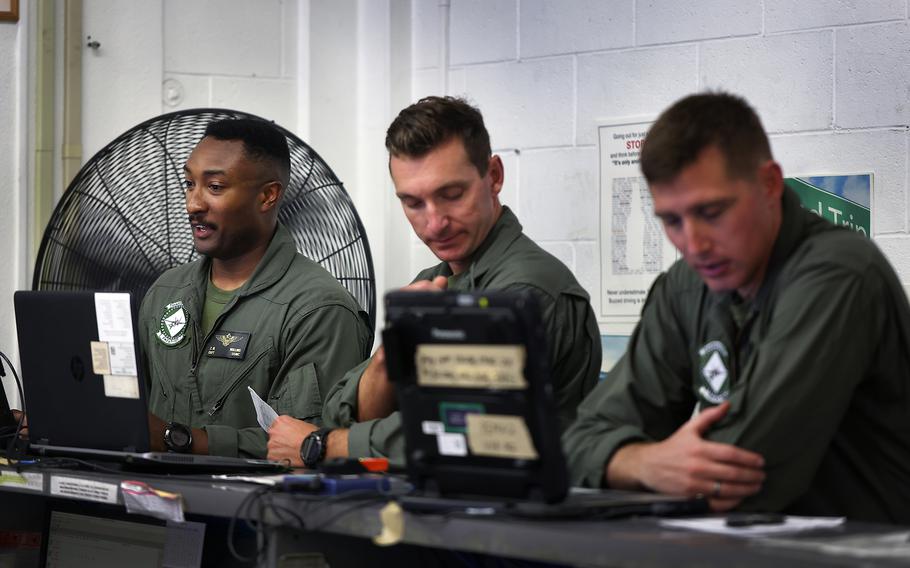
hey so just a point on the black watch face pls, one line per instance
(311, 451)
(179, 437)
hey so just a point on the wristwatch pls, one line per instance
(178, 437)
(312, 450)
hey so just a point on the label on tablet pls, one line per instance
(451, 444)
(471, 366)
(500, 436)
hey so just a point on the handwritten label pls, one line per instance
(500, 436)
(471, 366)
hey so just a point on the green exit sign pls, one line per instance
(839, 210)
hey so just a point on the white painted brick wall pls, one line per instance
(787, 15)
(483, 30)
(787, 78)
(830, 78)
(622, 84)
(559, 195)
(572, 26)
(667, 21)
(872, 79)
(527, 104)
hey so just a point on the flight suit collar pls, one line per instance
(490, 252)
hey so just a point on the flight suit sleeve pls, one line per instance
(381, 437)
(796, 387)
(646, 396)
(318, 347)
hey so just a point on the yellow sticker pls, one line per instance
(471, 366)
(499, 436)
(101, 358)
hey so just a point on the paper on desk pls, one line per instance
(887, 545)
(140, 498)
(265, 414)
(184, 545)
(718, 525)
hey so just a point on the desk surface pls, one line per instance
(639, 541)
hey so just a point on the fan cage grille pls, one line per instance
(122, 221)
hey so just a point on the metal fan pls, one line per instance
(122, 220)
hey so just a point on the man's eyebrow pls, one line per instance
(205, 172)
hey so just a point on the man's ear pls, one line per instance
(270, 196)
(771, 177)
(496, 173)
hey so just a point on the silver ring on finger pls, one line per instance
(716, 491)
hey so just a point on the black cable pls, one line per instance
(15, 448)
(243, 512)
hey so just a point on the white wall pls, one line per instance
(13, 182)
(831, 80)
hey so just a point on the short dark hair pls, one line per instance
(696, 122)
(262, 141)
(432, 121)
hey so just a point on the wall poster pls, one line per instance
(633, 247)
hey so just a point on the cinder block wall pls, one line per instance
(831, 80)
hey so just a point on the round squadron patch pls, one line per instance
(715, 360)
(172, 328)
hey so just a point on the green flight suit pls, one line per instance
(506, 260)
(816, 369)
(289, 333)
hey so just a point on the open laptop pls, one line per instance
(478, 412)
(85, 390)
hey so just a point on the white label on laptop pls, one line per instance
(84, 489)
(499, 436)
(101, 358)
(115, 320)
(265, 414)
(451, 444)
(432, 427)
(121, 386)
(123, 358)
(471, 366)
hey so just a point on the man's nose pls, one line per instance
(194, 201)
(697, 240)
(437, 219)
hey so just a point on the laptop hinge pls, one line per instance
(130, 449)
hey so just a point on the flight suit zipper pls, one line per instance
(222, 397)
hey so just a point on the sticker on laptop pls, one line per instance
(471, 366)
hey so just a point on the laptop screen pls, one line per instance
(80, 370)
(472, 376)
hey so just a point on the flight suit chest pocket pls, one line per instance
(299, 395)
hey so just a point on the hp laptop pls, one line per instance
(84, 387)
(472, 375)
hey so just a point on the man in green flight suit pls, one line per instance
(448, 182)
(251, 313)
(789, 337)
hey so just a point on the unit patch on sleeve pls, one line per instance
(714, 361)
(173, 324)
(228, 344)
